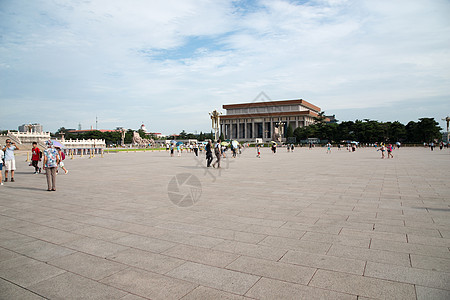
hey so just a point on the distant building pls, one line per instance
(37, 128)
(249, 121)
(332, 119)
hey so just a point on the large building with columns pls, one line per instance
(258, 120)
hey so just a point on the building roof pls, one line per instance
(273, 114)
(273, 103)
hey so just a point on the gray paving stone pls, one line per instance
(25, 271)
(202, 255)
(42, 250)
(430, 263)
(71, 286)
(363, 286)
(291, 244)
(6, 254)
(274, 289)
(95, 247)
(149, 285)
(426, 293)
(218, 278)
(233, 235)
(271, 269)
(147, 260)
(144, 243)
(346, 240)
(252, 250)
(87, 265)
(245, 209)
(327, 262)
(100, 233)
(396, 258)
(421, 277)
(12, 291)
(410, 248)
(207, 293)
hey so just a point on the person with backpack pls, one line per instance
(36, 155)
(62, 157)
(50, 164)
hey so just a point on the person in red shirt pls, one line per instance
(36, 158)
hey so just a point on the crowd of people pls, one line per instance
(52, 158)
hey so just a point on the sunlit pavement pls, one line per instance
(301, 225)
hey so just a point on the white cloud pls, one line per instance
(148, 60)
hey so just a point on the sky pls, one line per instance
(168, 63)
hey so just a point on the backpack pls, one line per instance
(63, 156)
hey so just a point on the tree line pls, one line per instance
(370, 131)
(363, 131)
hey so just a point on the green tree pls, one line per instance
(428, 129)
(289, 132)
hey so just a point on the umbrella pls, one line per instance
(179, 143)
(57, 144)
(273, 142)
(224, 143)
(235, 144)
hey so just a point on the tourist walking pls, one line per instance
(62, 157)
(383, 149)
(196, 149)
(36, 155)
(218, 153)
(389, 151)
(209, 155)
(10, 161)
(328, 148)
(432, 146)
(258, 151)
(50, 164)
(292, 147)
(171, 150)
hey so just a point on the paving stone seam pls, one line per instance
(22, 287)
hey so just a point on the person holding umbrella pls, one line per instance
(51, 161)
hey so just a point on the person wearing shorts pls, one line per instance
(10, 161)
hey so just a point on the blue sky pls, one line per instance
(168, 63)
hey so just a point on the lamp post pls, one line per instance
(448, 133)
(215, 119)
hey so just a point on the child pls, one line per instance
(389, 150)
(62, 156)
(258, 150)
(382, 148)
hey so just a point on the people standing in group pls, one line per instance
(389, 151)
(62, 157)
(258, 151)
(209, 155)
(218, 154)
(328, 148)
(36, 155)
(50, 164)
(10, 161)
(2, 159)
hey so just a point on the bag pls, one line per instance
(40, 154)
(63, 156)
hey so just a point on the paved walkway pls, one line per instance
(301, 225)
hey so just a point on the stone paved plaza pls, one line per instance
(301, 225)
